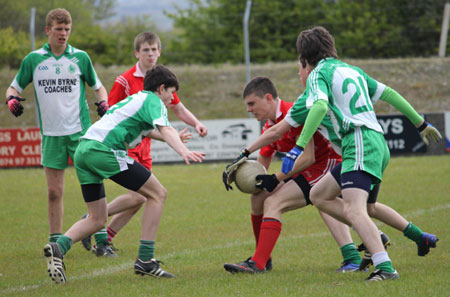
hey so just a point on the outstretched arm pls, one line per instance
(170, 135)
(312, 122)
(269, 136)
(183, 134)
(426, 130)
(189, 118)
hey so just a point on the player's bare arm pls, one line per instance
(270, 135)
(170, 136)
(189, 118)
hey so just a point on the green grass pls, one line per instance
(203, 226)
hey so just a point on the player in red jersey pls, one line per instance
(283, 192)
(147, 49)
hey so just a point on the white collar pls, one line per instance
(278, 114)
(138, 72)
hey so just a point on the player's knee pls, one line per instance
(159, 195)
(316, 200)
(138, 200)
(271, 204)
(54, 193)
(98, 220)
(257, 202)
(351, 213)
(371, 209)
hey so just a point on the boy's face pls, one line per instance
(58, 34)
(303, 73)
(260, 107)
(148, 55)
(165, 94)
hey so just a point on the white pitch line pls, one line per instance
(190, 252)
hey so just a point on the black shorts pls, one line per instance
(373, 193)
(133, 178)
(304, 185)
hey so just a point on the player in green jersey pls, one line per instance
(58, 72)
(346, 93)
(102, 153)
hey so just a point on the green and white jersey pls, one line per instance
(59, 88)
(350, 94)
(127, 122)
(296, 116)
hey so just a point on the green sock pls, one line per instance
(64, 243)
(146, 250)
(54, 237)
(350, 254)
(385, 266)
(413, 232)
(100, 237)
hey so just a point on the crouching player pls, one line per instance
(102, 153)
(261, 98)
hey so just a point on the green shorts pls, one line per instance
(57, 149)
(95, 162)
(366, 150)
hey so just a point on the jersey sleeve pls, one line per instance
(375, 88)
(88, 72)
(24, 76)
(315, 117)
(156, 112)
(297, 114)
(317, 87)
(118, 91)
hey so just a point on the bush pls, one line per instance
(14, 47)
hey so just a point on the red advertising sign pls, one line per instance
(20, 147)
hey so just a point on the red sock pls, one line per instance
(270, 231)
(256, 224)
(111, 233)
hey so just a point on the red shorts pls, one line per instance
(316, 171)
(145, 161)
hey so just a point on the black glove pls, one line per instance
(229, 175)
(267, 182)
(102, 107)
(14, 105)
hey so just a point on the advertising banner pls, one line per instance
(20, 147)
(401, 135)
(224, 141)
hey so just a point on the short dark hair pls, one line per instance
(260, 86)
(160, 75)
(314, 45)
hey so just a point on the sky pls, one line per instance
(154, 8)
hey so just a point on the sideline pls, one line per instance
(128, 264)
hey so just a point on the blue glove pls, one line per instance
(289, 159)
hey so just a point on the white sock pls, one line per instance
(380, 257)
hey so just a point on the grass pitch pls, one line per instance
(203, 227)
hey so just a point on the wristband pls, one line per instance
(423, 126)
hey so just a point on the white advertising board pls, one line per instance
(224, 141)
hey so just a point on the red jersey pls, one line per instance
(326, 157)
(129, 83)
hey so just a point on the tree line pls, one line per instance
(211, 31)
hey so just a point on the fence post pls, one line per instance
(444, 31)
